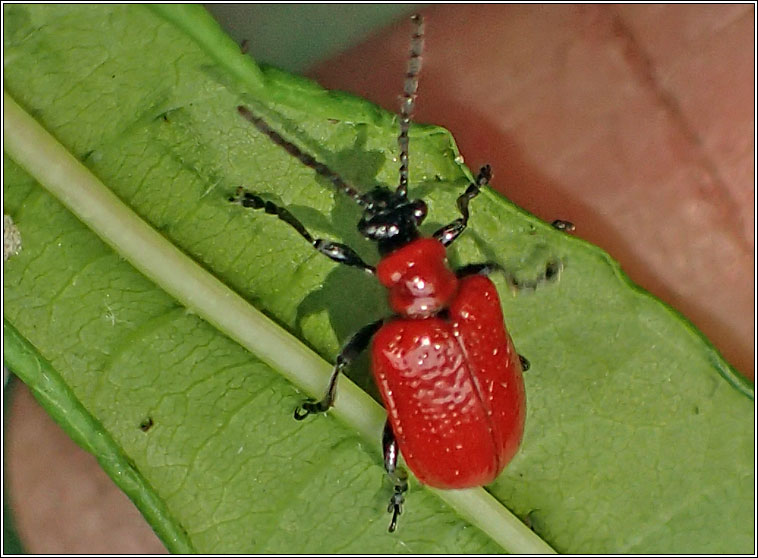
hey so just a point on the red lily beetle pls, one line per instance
(445, 365)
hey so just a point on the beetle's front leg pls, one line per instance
(447, 234)
(354, 347)
(336, 252)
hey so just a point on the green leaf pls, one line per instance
(639, 436)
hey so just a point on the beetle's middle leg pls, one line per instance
(354, 347)
(551, 272)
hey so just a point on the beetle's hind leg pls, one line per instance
(354, 347)
(397, 475)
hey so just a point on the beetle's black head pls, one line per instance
(391, 219)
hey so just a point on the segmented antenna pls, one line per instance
(409, 98)
(304, 158)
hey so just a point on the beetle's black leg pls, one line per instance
(447, 234)
(409, 97)
(339, 253)
(354, 347)
(552, 271)
(487, 268)
(478, 269)
(397, 475)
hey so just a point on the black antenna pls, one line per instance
(304, 158)
(409, 97)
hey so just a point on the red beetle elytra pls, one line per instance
(445, 365)
(447, 370)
